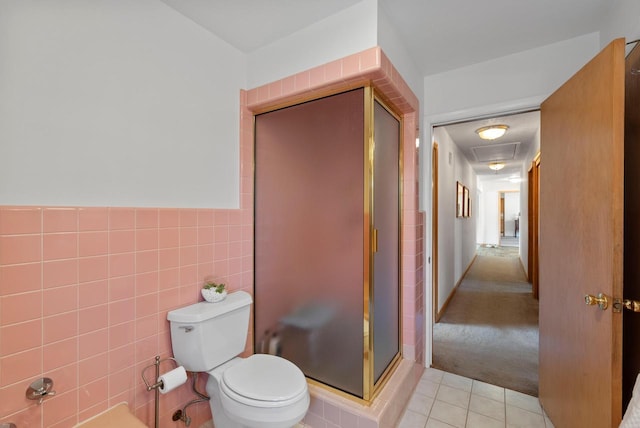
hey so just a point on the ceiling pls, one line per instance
(512, 148)
(440, 34)
(251, 24)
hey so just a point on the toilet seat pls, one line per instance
(264, 380)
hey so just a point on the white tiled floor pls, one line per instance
(445, 400)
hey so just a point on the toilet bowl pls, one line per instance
(261, 391)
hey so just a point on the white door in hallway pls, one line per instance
(581, 242)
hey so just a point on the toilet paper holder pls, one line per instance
(156, 384)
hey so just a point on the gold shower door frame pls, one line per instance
(371, 388)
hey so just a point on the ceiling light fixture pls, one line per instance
(492, 132)
(496, 166)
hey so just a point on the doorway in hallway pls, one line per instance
(509, 218)
(489, 330)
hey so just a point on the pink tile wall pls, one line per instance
(84, 294)
(367, 67)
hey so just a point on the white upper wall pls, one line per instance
(347, 32)
(131, 104)
(116, 103)
(400, 57)
(522, 80)
(515, 81)
(623, 20)
(357, 28)
(456, 235)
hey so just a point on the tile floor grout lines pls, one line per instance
(445, 400)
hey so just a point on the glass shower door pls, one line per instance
(327, 239)
(309, 234)
(386, 222)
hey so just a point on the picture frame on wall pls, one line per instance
(459, 200)
(465, 202)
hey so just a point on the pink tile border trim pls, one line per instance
(369, 66)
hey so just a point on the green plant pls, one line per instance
(218, 288)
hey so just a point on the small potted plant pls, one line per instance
(213, 292)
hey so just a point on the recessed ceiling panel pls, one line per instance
(495, 152)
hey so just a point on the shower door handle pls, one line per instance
(374, 240)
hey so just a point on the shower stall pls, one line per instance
(328, 192)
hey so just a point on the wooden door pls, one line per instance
(534, 224)
(434, 230)
(501, 212)
(530, 225)
(631, 321)
(581, 241)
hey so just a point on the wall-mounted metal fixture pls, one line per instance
(156, 386)
(178, 415)
(39, 389)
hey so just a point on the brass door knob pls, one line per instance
(602, 301)
(632, 305)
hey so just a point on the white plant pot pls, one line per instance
(210, 295)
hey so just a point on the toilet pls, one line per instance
(261, 391)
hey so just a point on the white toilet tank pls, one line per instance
(205, 335)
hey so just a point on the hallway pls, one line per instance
(489, 331)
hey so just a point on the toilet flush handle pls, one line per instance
(187, 328)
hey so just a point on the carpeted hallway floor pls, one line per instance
(489, 332)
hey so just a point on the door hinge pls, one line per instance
(617, 305)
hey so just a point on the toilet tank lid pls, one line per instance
(204, 310)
